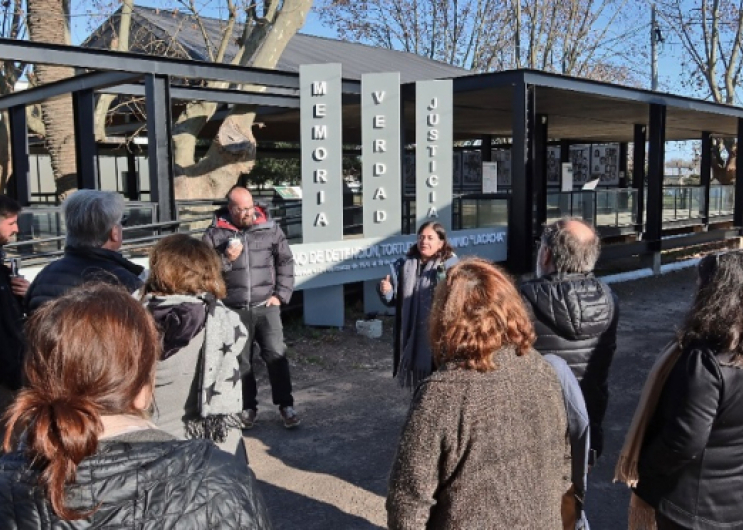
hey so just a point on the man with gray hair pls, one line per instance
(94, 221)
(575, 315)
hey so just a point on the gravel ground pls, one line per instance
(331, 472)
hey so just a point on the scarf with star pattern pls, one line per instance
(218, 378)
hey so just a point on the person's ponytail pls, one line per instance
(57, 433)
(89, 355)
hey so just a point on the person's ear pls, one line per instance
(117, 234)
(143, 399)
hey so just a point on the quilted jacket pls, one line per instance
(79, 265)
(162, 484)
(265, 268)
(575, 317)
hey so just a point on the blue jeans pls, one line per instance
(264, 327)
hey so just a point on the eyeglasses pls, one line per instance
(243, 210)
(124, 219)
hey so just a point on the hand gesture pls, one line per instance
(233, 250)
(385, 286)
(19, 285)
(274, 300)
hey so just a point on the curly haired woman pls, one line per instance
(484, 444)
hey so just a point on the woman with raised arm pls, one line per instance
(409, 288)
(198, 393)
(484, 444)
(82, 451)
(683, 454)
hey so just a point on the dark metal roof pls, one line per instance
(356, 58)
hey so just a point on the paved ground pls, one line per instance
(331, 472)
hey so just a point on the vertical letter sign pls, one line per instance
(380, 135)
(433, 152)
(322, 178)
(321, 143)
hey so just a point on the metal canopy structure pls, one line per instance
(530, 108)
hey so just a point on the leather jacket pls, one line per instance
(691, 462)
(575, 317)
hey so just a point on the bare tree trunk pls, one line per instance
(233, 151)
(121, 43)
(47, 22)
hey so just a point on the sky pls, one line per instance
(668, 64)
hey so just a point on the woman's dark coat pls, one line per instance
(691, 463)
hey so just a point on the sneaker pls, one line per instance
(290, 417)
(247, 418)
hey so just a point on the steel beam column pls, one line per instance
(705, 170)
(20, 181)
(160, 149)
(738, 206)
(656, 157)
(486, 147)
(520, 208)
(539, 165)
(132, 176)
(638, 174)
(86, 150)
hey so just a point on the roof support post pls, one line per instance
(86, 150)
(520, 208)
(486, 149)
(638, 175)
(539, 164)
(159, 146)
(20, 183)
(132, 176)
(705, 170)
(656, 157)
(738, 207)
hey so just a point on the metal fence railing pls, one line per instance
(603, 207)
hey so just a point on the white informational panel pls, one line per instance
(590, 185)
(567, 177)
(490, 177)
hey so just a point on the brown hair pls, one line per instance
(445, 252)
(90, 353)
(475, 312)
(180, 264)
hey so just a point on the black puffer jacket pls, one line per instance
(11, 331)
(162, 484)
(78, 265)
(575, 317)
(264, 269)
(691, 462)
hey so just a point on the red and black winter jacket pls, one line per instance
(265, 267)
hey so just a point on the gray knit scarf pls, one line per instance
(417, 294)
(219, 371)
